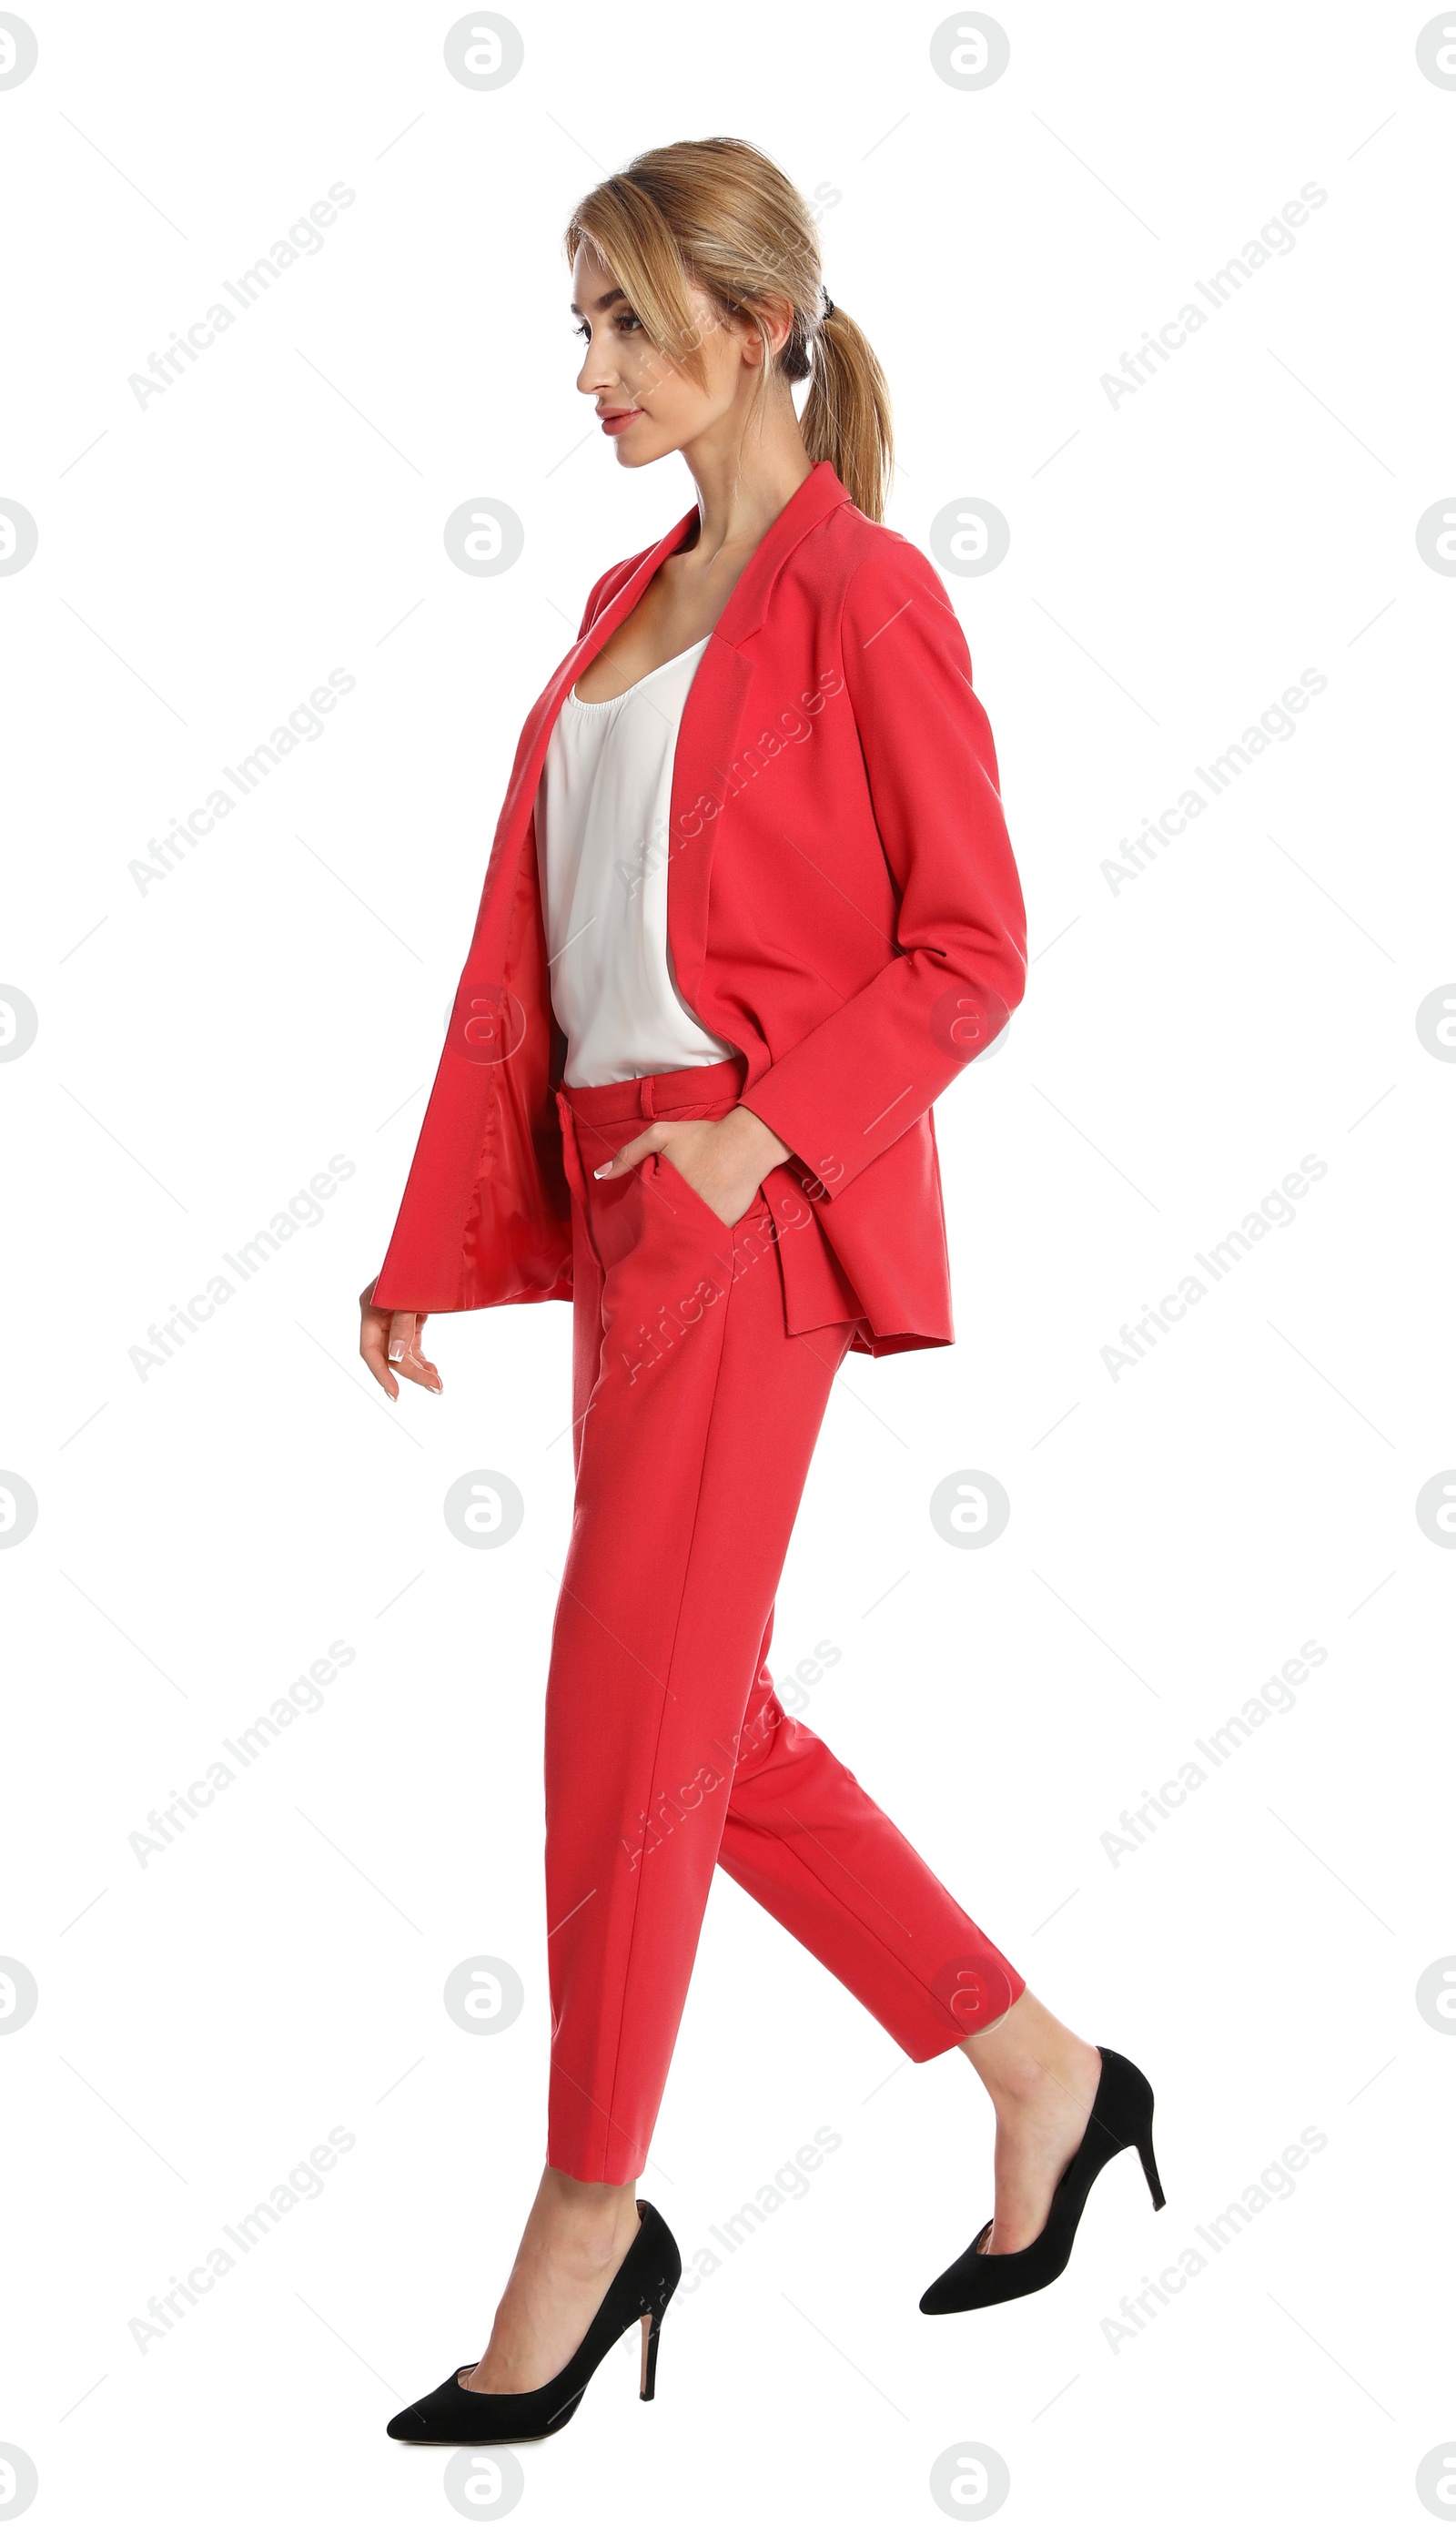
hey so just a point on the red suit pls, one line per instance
(843, 909)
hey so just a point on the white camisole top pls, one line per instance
(601, 847)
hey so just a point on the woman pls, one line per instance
(750, 909)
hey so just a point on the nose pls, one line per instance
(596, 372)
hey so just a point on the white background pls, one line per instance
(1176, 560)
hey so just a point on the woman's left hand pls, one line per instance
(722, 1159)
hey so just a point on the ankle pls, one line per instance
(1032, 2088)
(588, 2222)
(1031, 2060)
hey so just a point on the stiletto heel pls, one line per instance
(1122, 2116)
(1150, 2167)
(455, 2416)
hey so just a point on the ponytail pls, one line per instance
(846, 415)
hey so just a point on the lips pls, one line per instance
(619, 418)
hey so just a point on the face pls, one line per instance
(646, 406)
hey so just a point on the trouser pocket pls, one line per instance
(678, 1192)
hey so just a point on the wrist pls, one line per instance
(756, 1139)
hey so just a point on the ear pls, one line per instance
(778, 320)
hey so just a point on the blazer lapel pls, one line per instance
(498, 896)
(707, 735)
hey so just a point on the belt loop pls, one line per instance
(644, 1088)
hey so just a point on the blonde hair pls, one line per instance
(720, 214)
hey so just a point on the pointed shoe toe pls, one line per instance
(454, 2416)
(978, 2279)
(421, 2422)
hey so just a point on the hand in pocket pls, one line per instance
(724, 1161)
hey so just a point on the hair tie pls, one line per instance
(828, 310)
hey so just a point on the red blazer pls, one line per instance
(843, 909)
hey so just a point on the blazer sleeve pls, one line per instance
(864, 1075)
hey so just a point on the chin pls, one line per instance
(635, 457)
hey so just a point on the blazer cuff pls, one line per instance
(832, 1141)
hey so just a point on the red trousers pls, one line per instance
(667, 1750)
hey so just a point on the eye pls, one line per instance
(623, 319)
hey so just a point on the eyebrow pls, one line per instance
(598, 305)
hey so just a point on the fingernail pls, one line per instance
(601, 1170)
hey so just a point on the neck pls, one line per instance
(744, 477)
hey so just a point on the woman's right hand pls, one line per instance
(389, 1343)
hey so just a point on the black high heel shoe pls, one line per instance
(1122, 2116)
(454, 2416)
